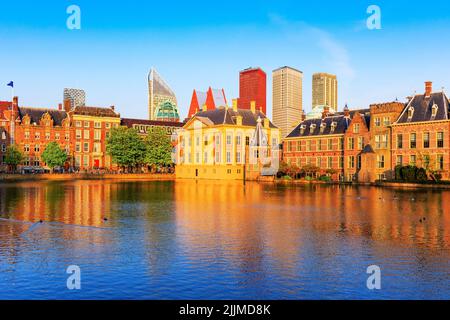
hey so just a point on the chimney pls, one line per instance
(113, 108)
(266, 123)
(60, 107)
(346, 111)
(204, 107)
(67, 105)
(428, 88)
(253, 106)
(303, 116)
(326, 112)
(235, 103)
(15, 103)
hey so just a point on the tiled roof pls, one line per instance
(36, 114)
(319, 127)
(225, 115)
(96, 111)
(130, 122)
(423, 107)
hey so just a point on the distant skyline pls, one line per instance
(197, 45)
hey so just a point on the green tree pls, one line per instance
(159, 148)
(126, 148)
(54, 156)
(13, 157)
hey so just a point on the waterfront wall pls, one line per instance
(82, 176)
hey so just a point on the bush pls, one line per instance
(308, 178)
(398, 172)
(325, 178)
(421, 175)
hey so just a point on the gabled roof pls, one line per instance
(130, 122)
(312, 127)
(36, 114)
(213, 98)
(95, 111)
(423, 106)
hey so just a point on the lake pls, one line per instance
(221, 240)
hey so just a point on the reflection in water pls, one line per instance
(211, 239)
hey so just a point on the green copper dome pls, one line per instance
(167, 111)
(317, 111)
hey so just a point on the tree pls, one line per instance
(13, 157)
(54, 156)
(159, 148)
(126, 147)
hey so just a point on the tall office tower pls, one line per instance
(324, 90)
(252, 87)
(77, 97)
(287, 102)
(161, 98)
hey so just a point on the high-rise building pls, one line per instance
(287, 102)
(161, 97)
(77, 97)
(252, 87)
(324, 90)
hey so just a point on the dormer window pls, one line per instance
(312, 127)
(323, 125)
(410, 113)
(434, 110)
(333, 126)
(302, 129)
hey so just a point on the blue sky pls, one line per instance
(201, 43)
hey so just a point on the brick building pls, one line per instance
(421, 133)
(320, 143)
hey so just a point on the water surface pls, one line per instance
(221, 240)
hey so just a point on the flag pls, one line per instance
(11, 84)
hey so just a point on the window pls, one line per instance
(97, 125)
(360, 143)
(67, 136)
(78, 134)
(319, 162)
(86, 134)
(57, 136)
(228, 139)
(77, 147)
(412, 141)
(86, 161)
(308, 145)
(377, 142)
(356, 128)
(97, 147)
(320, 145)
(384, 141)
(341, 162)
(380, 161)
(27, 134)
(26, 148)
(238, 140)
(440, 162)
(330, 163)
(228, 157)
(399, 160)
(3, 147)
(37, 135)
(377, 122)
(412, 160)
(330, 144)
(426, 140)
(440, 139)
(400, 141)
(238, 157)
(97, 134)
(386, 121)
(299, 145)
(86, 147)
(36, 148)
(197, 141)
(351, 162)
(351, 143)
(358, 161)
(47, 136)
(77, 161)
(410, 113)
(197, 157)
(86, 124)
(78, 124)
(107, 125)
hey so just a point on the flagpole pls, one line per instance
(13, 120)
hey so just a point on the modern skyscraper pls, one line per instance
(159, 97)
(77, 97)
(287, 99)
(252, 87)
(324, 90)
